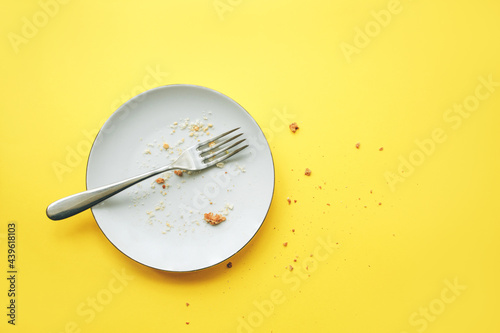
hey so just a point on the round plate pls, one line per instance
(162, 227)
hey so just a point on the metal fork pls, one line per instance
(198, 157)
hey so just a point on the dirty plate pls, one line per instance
(163, 227)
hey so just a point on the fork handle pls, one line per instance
(79, 202)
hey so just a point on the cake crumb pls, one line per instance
(212, 219)
(381, 148)
(160, 180)
(290, 267)
(229, 265)
(285, 244)
(357, 145)
(308, 172)
(211, 144)
(178, 173)
(293, 127)
(166, 146)
(289, 201)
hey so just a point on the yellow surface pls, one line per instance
(424, 260)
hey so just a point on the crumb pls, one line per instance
(210, 125)
(289, 201)
(320, 187)
(187, 322)
(295, 201)
(196, 128)
(166, 146)
(293, 230)
(211, 144)
(187, 304)
(160, 181)
(220, 165)
(380, 204)
(290, 268)
(381, 148)
(328, 204)
(163, 186)
(371, 191)
(147, 151)
(178, 173)
(213, 219)
(308, 172)
(285, 244)
(294, 260)
(293, 127)
(229, 265)
(357, 145)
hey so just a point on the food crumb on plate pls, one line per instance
(381, 149)
(357, 145)
(166, 146)
(229, 265)
(160, 180)
(308, 172)
(220, 165)
(289, 201)
(285, 244)
(213, 219)
(293, 127)
(178, 173)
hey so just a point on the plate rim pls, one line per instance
(222, 95)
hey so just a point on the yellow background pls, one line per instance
(388, 262)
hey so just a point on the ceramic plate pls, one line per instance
(164, 227)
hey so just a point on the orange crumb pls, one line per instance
(380, 204)
(166, 146)
(178, 173)
(213, 219)
(160, 180)
(357, 145)
(187, 304)
(285, 244)
(381, 148)
(211, 144)
(293, 127)
(163, 186)
(308, 172)
(289, 201)
(196, 128)
(290, 268)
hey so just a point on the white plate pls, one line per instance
(135, 221)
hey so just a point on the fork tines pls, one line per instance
(218, 150)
